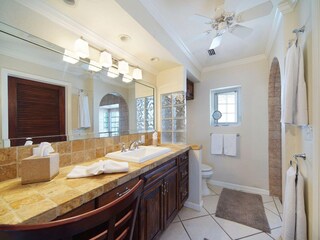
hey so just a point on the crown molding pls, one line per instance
(149, 5)
(287, 6)
(234, 63)
(78, 29)
(274, 31)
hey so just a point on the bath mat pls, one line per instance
(244, 208)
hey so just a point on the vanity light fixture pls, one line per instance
(113, 72)
(127, 78)
(137, 74)
(70, 57)
(94, 66)
(105, 59)
(123, 67)
(81, 47)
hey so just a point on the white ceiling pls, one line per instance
(179, 15)
(161, 28)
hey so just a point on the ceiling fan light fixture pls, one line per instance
(216, 42)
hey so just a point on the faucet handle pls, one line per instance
(122, 147)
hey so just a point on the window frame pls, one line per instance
(214, 105)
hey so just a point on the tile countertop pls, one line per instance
(43, 202)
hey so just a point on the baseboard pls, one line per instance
(193, 206)
(238, 187)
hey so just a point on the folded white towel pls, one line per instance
(216, 143)
(106, 166)
(230, 144)
(84, 114)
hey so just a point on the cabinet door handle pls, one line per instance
(124, 192)
(167, 187)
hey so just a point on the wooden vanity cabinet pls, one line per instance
(163, 196)
(166, 188)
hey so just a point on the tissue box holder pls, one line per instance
(39, 169)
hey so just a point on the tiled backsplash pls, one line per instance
(71, 152)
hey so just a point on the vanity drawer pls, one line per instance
(183, 157)
(115, 193)
(155, 174)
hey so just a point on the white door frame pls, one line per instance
(315, 9)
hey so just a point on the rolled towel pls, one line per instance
(106, 166)
(43, 150)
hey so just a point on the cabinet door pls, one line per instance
(171, 197)
(151, 212)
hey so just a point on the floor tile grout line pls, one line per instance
(277, 209)
(195, 217)
(185, 230)
(251, 235)
(271, 233)
(221, 227)
(276, 213)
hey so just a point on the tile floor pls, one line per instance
(204, 225)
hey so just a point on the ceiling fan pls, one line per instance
(227, 21)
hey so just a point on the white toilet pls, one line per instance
(206, 173)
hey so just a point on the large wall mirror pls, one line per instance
(96, 105)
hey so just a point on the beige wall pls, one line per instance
(250, 168)
(298, 139)
(168, 81)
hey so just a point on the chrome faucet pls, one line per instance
(134, 145)
(123, 147)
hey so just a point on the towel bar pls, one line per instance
(300, 155)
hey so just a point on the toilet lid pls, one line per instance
(205, 167)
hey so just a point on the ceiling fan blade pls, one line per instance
(201, 19)
(199, 37)
(216, 41)
(231, 5)
(260, 10)
(240, 31)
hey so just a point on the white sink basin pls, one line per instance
(144, 153)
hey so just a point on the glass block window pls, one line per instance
(225, 106)
(145, 114)
(173, 118)
(109, 120)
